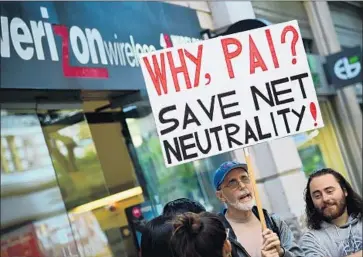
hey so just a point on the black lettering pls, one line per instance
(211, 109)
(164, 121)
(209, 145)
(259, 130)
(215, 131)
(225, 106)
(300, 116)
(189, 117)
(175, 151)
(300, 77)
(229, 134)
(185, 147)
(268, 100)
(281, 92)
(249, 133)
(273, 123)
(283, 113)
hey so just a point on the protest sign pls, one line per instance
(230, 92)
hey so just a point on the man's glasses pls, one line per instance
(234, 184)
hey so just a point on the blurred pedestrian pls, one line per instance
(334, 216)
(233, 187)
(199, 235)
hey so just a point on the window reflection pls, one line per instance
(22, 144)
(164, 183)
(34, 219)
(56, 236)
(29, 192)
(74, 156)
(89, 161)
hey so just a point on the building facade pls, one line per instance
(81, 163)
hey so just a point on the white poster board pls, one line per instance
(230, 92)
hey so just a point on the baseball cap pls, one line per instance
(224, 169)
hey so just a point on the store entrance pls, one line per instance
(67, 176)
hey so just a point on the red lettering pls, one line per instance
(226, 42)
(198, 63)
(74, 71)
(158, 76)
(256, 60)
(168, 41)
(272, 48)
(181, 69)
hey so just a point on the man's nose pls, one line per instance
(241, 184)
(326, 198)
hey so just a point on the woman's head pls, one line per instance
(156, 236)
(199, 235)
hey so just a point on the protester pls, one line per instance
(234, 188)
(156, 237)
(334, 216)
(199, 235)
(182, 205)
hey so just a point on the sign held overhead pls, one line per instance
(230, 92)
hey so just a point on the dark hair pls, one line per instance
(182, 205)
(244, 25)
(198, 235)
(353, 200)
(156, 237)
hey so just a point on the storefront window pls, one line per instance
(66, 182)
(30, 196)
(319, 148)
(74, 156)
(164, 184)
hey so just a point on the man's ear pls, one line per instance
(345, 192)
(220, 196)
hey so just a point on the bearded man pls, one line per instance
(334, 216)
(233, 187)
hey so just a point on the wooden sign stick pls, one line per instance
(254, 186)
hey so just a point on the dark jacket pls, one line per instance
(273, 223)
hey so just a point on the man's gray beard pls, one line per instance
(243, 206)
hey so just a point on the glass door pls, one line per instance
(74, 156)
(67, 179)
(95, 177)
(34, 218)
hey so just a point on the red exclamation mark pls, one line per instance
(313, 112)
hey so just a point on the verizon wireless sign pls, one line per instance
(45, 41)
(230, 92)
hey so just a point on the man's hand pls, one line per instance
(271, 241)
(270, 253)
